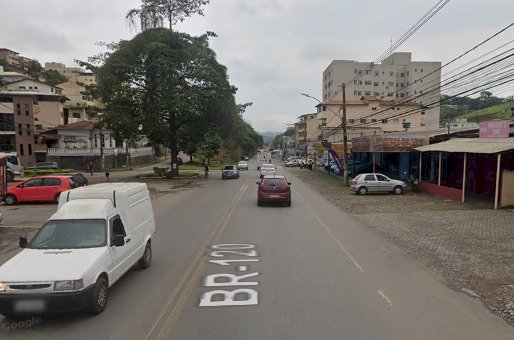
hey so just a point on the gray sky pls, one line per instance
(274, 49)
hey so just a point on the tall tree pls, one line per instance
(34, 69)
(53, 77)
(155, 13)
(167, 80)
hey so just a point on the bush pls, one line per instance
(42, 172)
(162, 172)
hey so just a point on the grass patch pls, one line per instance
(500, 111)
(196, 166)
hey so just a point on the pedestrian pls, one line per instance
(107, 173)
(91, 167)
(206, 170)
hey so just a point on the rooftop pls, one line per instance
(472, 145)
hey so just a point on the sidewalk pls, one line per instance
(471, 246)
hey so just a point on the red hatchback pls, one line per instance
(274, 189)
(38, 189)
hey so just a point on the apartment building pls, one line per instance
(371, 115)
(79, 106)
(13, 58)
(397, 77)
(31, 85)
(69, 72)
(306, 129)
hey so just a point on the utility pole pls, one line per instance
(345, 139)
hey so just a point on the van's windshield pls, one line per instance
(70, 234)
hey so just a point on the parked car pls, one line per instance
(96, 235)
(230, 171)
(39, 189)
(245, 158)
(45, 165)
(292, 162)
(375, 182)
(242, 165)
(267, 170)
(79, 179)
(273, 189)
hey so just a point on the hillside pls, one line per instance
(500, 111)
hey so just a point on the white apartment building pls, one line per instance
(395, 78)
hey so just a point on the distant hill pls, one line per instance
(268, 136)
(484, 107)
(500, 111)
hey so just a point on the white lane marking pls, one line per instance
(194, 270)
(229, 298)
(228, 262)
(385, 297)
(331, 234)
(242, 268)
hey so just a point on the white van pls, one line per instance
(96, 235)
(14, 167)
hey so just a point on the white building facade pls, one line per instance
(396, 78)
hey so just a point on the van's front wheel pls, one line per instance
(146, 260)
(99, 296)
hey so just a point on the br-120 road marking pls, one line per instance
(236, 297)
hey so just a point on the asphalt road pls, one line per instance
(305, 272)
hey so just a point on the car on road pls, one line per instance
(39, 189)
(45, 165)
(230, 171)
(242, 165)
(375, 182)
(77, 177)
(293, 162)
(267, 169)
(245, 158)
(96, 235)
(274, 189)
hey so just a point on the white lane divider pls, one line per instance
(341, 246)
(385, 297)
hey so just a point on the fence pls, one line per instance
(134, 152)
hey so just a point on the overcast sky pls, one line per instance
(274, 49)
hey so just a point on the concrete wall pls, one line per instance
(434, 189)
(80, 163)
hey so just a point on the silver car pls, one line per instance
(242, 165)
(230, 171)
(374, 182)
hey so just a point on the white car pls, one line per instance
(242, 165)
(96, 235)
(268, 169)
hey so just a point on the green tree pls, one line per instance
(53, 77)
(209, 147)
(34, 69)
(167, 80)
(155, 13)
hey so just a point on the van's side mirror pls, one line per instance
(119, 241)
(23, 242)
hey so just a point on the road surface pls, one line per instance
(224, 268)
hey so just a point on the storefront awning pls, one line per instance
(472, 145)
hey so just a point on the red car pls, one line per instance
(39, 189)
(274, 189)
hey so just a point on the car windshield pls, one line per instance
(229, 167)
(70, 234)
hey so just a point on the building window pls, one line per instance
(18, 108)
(30, 149)
(367, 72)
(407, 73)
(367, 82)
(22, 87)
(390, 83)
(422, 124)
(375, 83)
(374, 108)
(373, 120)
(28, 129)
(360, 82)
(403, 120)
(360, 71)
(39, 127)
(375, 73)
(422, 112)
(389, 94)
(359, 93)
(355, 82)
(20, 130)
(421, 70)
(397, 109)
(354, 70)
(384, 121)
(397, 74)
(401, 84)
(391, 74)
(351, 121)
(376, 93)
(407, 83)
(27, 109)
(76, 114)
(367, 93)
(363, 120)
(21, 150)
(415, 70)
